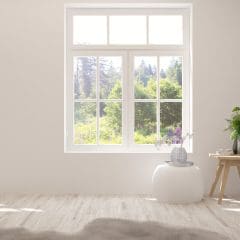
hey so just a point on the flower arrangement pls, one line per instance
(173, 137)
(234, 124)
(178, 154)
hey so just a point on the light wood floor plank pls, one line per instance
(70, 213)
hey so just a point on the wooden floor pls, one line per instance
(69, 213)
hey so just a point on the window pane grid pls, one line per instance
(172, 24)
(158, 101)
(170, 74)
(107, 70)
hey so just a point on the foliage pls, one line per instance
(110, 121)
(234, 124)
(175, 71)
(84, 73)
(109, 78)
(145, 92)
(171, 114)
(85, 133)
(109, 134)
(170, 89)
(145, 121)
(144, 72)
(144, 139)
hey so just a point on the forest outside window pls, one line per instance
(127, 77)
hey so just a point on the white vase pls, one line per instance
(178, 154)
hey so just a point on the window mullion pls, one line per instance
(146, 100)
(171, 100)
(130, 101)
(110, 100)
(158, 99)
(85, 100)
(97, 101)
(147, 29)
(108, 37)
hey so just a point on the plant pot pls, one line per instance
(238, 143)
(235, 146)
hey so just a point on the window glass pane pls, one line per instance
(145, 77)
(145, 123)
(127, 29)
(110, 77)
(171, 121)
(110, 123)
(84, 77)
(170, 77)
(89, 30)
(84, 123)
(166, 29)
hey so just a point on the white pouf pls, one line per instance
(177, 184)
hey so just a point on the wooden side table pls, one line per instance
(224, 164)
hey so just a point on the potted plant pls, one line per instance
(178, 154)
(234, 127)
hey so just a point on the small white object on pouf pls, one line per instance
(177, 184)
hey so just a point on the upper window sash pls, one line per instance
(184, 12)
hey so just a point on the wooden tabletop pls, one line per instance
(225, 157)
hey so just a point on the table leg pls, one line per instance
(218, 174)
(224, 181)
(238, 168)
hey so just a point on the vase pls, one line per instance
(178, 154)
(235, 146)
(238, 143)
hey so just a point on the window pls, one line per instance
(127, 76)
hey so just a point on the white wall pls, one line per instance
(31, 104)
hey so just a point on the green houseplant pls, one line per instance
(234, 127)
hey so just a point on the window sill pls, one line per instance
(144, 149)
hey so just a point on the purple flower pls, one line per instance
(170, 133)
(177, 136)
(178, 132)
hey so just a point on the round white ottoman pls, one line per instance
(177, 184)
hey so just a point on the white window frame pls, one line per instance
(127, 52)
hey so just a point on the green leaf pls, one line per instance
(236, 109)
(234, 135)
